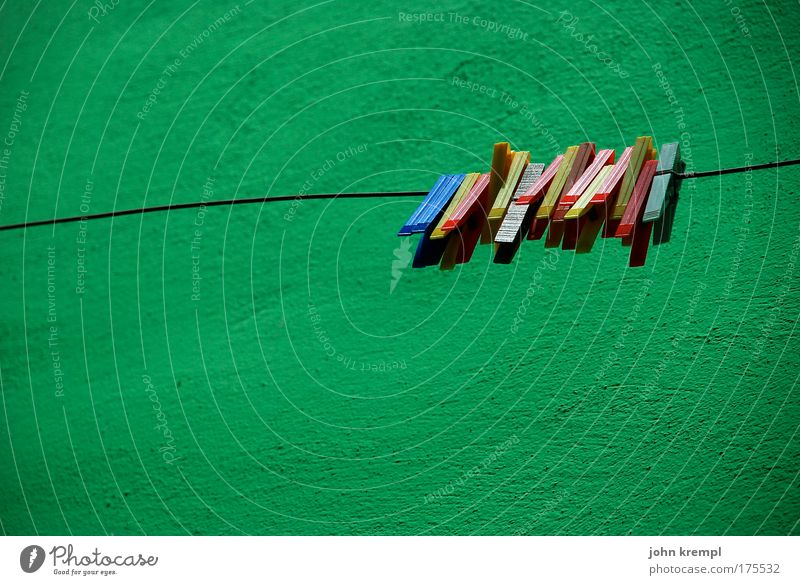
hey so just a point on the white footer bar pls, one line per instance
(400, 560)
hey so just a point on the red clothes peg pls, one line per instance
(557, 223)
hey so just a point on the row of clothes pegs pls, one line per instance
(580, 195)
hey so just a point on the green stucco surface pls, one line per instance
(305, 389)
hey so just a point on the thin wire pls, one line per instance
(195, 204)
(758, 167)
(249, 200)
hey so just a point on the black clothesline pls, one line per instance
(267, 199)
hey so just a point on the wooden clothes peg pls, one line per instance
(502, 158)
(467, 224)
(558, 223)
(518, 217)
(519, 163)
(663, 197)
(631, 229)
(429, 251)
(432, 205)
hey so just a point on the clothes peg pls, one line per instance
(431, 205)
(502, 157)
(434, 241)
(640, 238)
(518, 217)
(558, 223)
(583, 158)
(609, 191)
(610, 187)
(536, 191)
(431, 214)
(500, 162)
(631, 229)
(542, 217)
(663, 197)
(463, 190)
(636, 206)
(642, 152)
(467, 205)
(466, 223)
(437, 186)
(429, 250)
(584, 219)
(587, 199)
(519, 162)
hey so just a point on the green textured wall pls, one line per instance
(259, 369)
